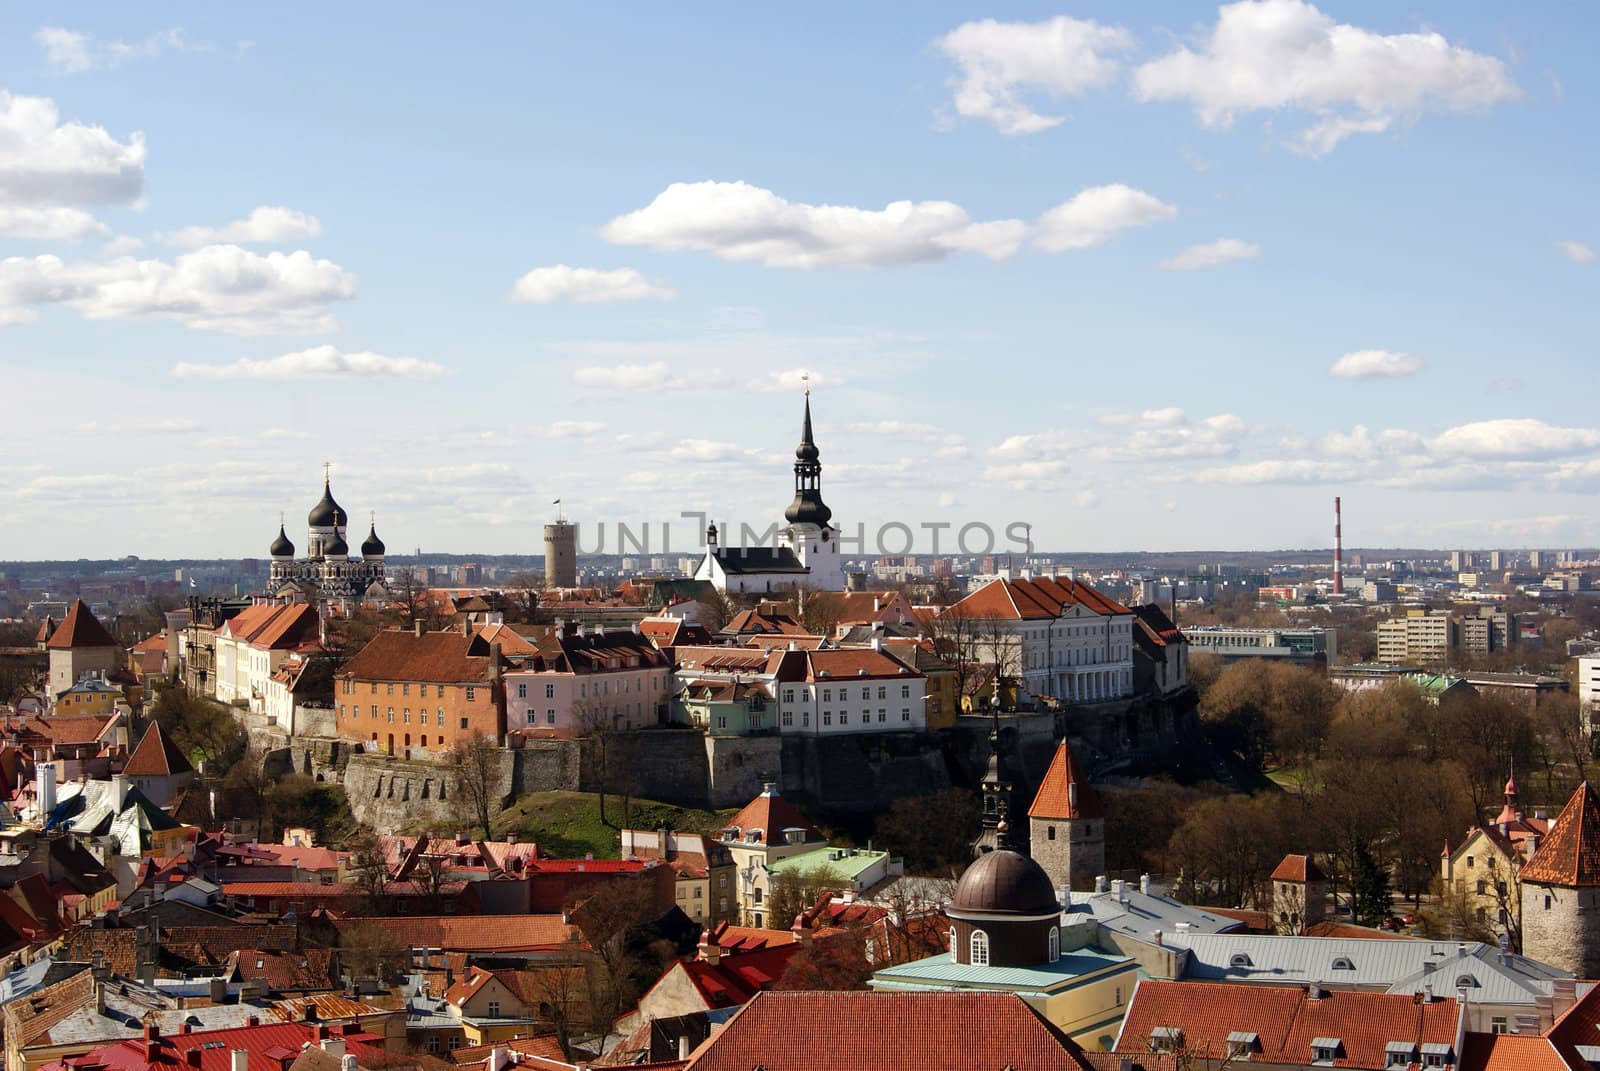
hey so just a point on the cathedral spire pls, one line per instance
(808, 507)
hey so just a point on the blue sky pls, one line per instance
(587, 254)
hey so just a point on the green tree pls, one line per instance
(934, 832)
(794, 891)
(1370, 899)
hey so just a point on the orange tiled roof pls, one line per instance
(870, 1031)
(1570, 854)
(80, 628)
(472, 933)
(156, 756)
(1037, 599)
(1301, 868)
(445, 657)
(510, 640)
(771, 814)
(1510, 1052)
(1056, 799)
(1285, 1020)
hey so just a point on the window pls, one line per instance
(756, 895)
(463, 723)
(905, 713)
(1049, 832)
(827, 719)
(866, 693)
(1055, 943)
(390, 689)
(405, 715)
(805, 719)
(722, 721)
(883, 693)
(472, 694)
(441, 716)
(374, 713)
(405, 689)
(550, 717)
(883, 715)
(1342, 963)
(374, 688)
(494, 1009)
(1469, 862)
(1499, 1025)
(788, 695)
(979, 956)
(905, 691)
(522, 691)
(788, 719)
(827, 695)
(532, 717)
(550, 691)
(391, 715)
(844, 717)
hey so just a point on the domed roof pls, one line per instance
(1004, 882)
(281, 547)
(335, 547)
(808, 508)
(326, 513)
(372, 546)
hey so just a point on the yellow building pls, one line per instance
(93, 694)
(1481, 876)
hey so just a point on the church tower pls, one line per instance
(1560, 888)
(998, 789)
(814, 540)
(1067, 826)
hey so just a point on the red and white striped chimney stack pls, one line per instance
(1338, 550)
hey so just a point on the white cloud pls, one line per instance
(122, 245)
(1286, 54)
(1211, 254)
(1086, 499)
(998, 60)
(268, 224)
(901, 428)
(575, 429)
(586, 286)
(707, 450)
(623, 377)
(947, 499)
(1097, 213)
(219, 288)
(71, 52)
(740, 222)
(44, 161)
(1576, 252)
(1375, 364)
(318, 362)
(1274, 471)
(1525, 439)
(1037, 475)
(50, 223)
(67, 50)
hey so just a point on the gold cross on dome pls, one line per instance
(327, 469)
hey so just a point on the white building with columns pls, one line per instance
(1057, 638)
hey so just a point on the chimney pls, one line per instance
(683, 1047)
(494, 661)
(1315, 991)
(47, 790)
(119, 791)
(190, 1056)
(252, 1020)
(466, 625)
(333, 1046)
(1100, 883)
(239, 1059)
(1144, 884)
(710, 951)
(499, 1057)
(152, 1041)
(511, 837)
(416, 627)
(1117, 887)
(217, 990)
(461, 838)
(347, 1062)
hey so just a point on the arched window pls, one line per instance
(1055, 943)
(980, 949)
(954, 947)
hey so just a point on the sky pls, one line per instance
(1143, 277)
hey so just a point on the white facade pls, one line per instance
(1589, 692)
(828, 706)
(564, 704)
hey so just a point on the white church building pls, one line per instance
(808, 554)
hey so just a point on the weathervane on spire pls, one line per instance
(805, 377)
(327, 472)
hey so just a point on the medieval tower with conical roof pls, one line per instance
(1561, 890)
(1067, 825)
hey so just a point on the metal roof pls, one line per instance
(1140, 914)
(942, 971)
(1494, 977)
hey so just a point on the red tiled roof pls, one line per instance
(735, 979)
(155, 643)
(1569, 855)
(445, 657)
(1301, 868)
(1056, 798)
(472, 933)
(74, 728)
(771, 814)
(1037, 599)
(510, 640)
(266, 1043)
(80, 628)
(841, 665)
(1511, 1052)
(855, 1031)
(156, 756)
(1578, 1025)
(1285, 1020)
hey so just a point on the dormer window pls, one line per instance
(1241, 1043)
(1399, 1054)
(1166, 1039)
(1466, 981)
(1325, 1050)
(1238, 960)
(1437, 1054)
(1342, 963)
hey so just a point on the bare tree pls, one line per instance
(819, 611)
(563, 988)
(476, 763)
(610, 914)
(596, 721)
(368, 868)
(715, 610)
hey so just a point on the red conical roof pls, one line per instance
(80, 628)
(1065, 793)
(1570, 854)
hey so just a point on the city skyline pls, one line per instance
(1145, 279)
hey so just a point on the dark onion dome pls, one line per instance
(281, 547)
(808, 508)
(326, 513)
(1004, 882)
(336, 547)
(372, 546)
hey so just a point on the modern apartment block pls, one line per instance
(1420, 637)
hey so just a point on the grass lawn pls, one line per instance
(566, 825)
(1289, 778)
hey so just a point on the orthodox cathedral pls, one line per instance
(327, 571)
(808, 556)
